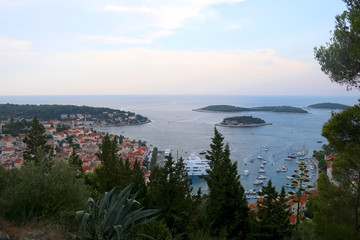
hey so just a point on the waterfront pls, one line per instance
(174, 125)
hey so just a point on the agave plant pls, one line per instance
(116, 217)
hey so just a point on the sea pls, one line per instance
(174, 125)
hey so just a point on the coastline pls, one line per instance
(120, 124)
(243, 125)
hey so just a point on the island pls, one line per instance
(242, 121)
(46, 112)
(328, 105)
(229, 108)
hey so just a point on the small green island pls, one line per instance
(328, 105)
(242, 121)
(229, 108)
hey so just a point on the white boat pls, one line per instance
(262, 166)
(260, 177)
(290, 177)
(258, 182)
(289, 185)
(261, 170)
(264, 162)
(284, 169)
(246, 172)
(259, 157)
(196, 166)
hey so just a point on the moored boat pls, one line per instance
(196, 166)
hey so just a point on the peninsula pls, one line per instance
(328, 105)
(229, 108)
(46, 112)
(242, 121)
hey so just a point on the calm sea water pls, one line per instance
(175, 126)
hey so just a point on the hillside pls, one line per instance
(69, 112)
(328, 105)
(229, 108)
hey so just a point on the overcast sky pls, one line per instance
(263, 47)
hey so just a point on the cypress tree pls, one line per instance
(35, 142)
(227, 210)
(272, 218)
(170, 190)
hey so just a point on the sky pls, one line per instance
(237, 47)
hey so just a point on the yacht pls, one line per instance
(196, 166)
(258, 182)
(246, 172)
(260, 177)
(261, 170)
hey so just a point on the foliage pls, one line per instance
(35, 142)
(329, 105)
(227, 208)
(244, 120)
(340, 58)
(338, 202)
(153, 158)
(48, 112)
(301, 177)
(332, 209)
(15, 128)
(343, 128)
(116, 217)
(38, 193)
(327, 149)
(272, 217)
(170, 189)
(229, 108)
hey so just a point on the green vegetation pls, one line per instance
(48, 112)
(15, 128)
(226, 206)
(118, 216)
(224, 108)
(340, 58)
(246, 120)
(229, 108)
(283, 109)
(35, 142)
(329, 106)
(272, 217)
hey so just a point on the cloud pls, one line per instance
(161, 17)
(234, 27)
(115, 40)
(143, 9)
(8, 44)
(149, 71)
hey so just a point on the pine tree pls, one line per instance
(35, 142)
(227, 210)
(108, 175)
(272, 218)
(170, 190)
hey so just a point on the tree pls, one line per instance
(226, 208)
(340, 59)
(343, 132)
(272, 217)
(301, 177)
(170, 189)
(332, 210)
(35, 141)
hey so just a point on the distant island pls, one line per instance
(46, 112)
(242, 121)
(229, 108)
(328, 105)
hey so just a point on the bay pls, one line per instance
(174, 125)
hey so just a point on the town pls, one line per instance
(71, 134)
